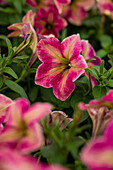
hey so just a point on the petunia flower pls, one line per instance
(22, 132)
(23, 29)
(17, 27)
(89, 53)
(98, 153)
(59, 118)
(100, 112)
(49, 22)
(62, 64)
(106, 7)
(76, 11)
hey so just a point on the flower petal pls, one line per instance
(88, 53)
(98, 155)
(5, 103)
(63, 86)
(29, 17)
(17, 111)
(77, 15)
(87, 4)
(33, 141)
(71, 46)
(49, 50)
(45, 74)
(59, 4)
(8, 135)
(36, 112)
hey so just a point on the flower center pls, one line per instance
(49, 26)
(23, 128)
(38, 2)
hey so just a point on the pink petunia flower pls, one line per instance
(17, 27)
(98, 153)
(100, 112)
(62, 64)
(106, 7)
(89, 53)
(59, 118)
(25, 28)
(76, 11)
(49, 22)
(22, 132)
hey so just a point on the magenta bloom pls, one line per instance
(99, 111)
(62, 64)
(98, 153)
(76, 11)
(89, 53)
(105, 7)
(3, 2)
(22, 131)
(49, 22)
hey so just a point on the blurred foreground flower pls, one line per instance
(75, 12)
(12, 160)
(99, 111)
(62, 64)
(49, 22)
(22, 132)
(98, 153)
(106, 7)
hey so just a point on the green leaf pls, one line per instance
(101, 53)
(102, 67)
(91, 59)
(15, 87)
(105, 40)
(10, 50)
(18, 5)
(9, 71)
(22, 57)
(110, 83)
(1, 80)
(99, 91)
(33, 93)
